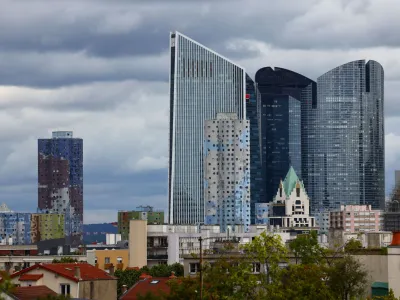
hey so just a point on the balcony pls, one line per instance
(120, 266)
(107, 266)
(157, 256)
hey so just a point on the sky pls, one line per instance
(100, 68)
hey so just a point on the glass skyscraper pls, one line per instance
(347, 126)
(202, 84)
(257, 187)
(283, 115)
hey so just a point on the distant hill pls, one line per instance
(97, 232)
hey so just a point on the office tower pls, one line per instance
(153, 216)
(348, 150)
(60, 172)
(397, 178)
(227, 171)
(257, 187)
(202, 84)
(285, 99)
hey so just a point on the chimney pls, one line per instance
(77, 272)
(111, 269)
(124, 289)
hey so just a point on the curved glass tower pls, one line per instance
(202, 84)
(286, 101)
(347, 153)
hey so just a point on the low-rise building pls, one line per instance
(153, 216)
(77, 280)
(108, 258)
(356, 218)
(28, 293)
(167, 244)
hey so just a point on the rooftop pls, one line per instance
(87, 271)
(156, 286)
(32, 292)
(30, 277)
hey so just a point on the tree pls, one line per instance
(64, 260)
(126, 277)
(306, 248)
(6, 286)
(346, 278)
(352, 246)
(269, 251)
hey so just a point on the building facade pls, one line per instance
(356, 218)
(347, 153)
(47, 227)
(227, 171)
(285, 100)
(15, 228)
(257, 186)
(202, 84)
(153, 216)
(291, 205)
(60, 180)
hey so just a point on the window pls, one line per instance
(256, 268)
(194, 268)
(106, 260)
(65, 289)
(119, 260)
(95, 260)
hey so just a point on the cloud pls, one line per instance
(101, 68)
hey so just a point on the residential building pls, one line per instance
(227, 171)
(357, 218)
(202, 84)
(47, 227)
(285, 100)
(262, 213)
(60, 181)
(153, 216)
(15, 228)
(151, 245)
(78, 280)
(347, 153)
(322, 221)
(290, 207)
(108, 258)
(257, 187)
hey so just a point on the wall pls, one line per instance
(113, 255)
(100, 290)
(377, 268)
(137, 243)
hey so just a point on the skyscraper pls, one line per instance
(257, 185)
(202, 84)
(227, 171)
(285, 98)
(60, 180)
(347, 152)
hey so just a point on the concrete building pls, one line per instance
(290, 207)
(77, 280)
(202, 84)
(369, 239)
(356, 218)
(227, 171)
(261, 213)
(153, 216)
(60, 181)
(322, 222)
(167, 244)
(108, 258)
(47, 227)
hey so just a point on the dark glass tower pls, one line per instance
(348, 151)
(60, 181)
(285, 99)
(256, 179)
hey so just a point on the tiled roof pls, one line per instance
(30, 277)
(87, 271)
(156, 286)
(32, 292)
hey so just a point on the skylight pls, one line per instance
(154, 281)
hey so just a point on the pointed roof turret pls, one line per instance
(290, 181)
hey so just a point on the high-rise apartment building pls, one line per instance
(346, 151)
(60, 180)
(356, 218)
(257, 186)
(202, 84)
(227, 171)
(285, 98)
